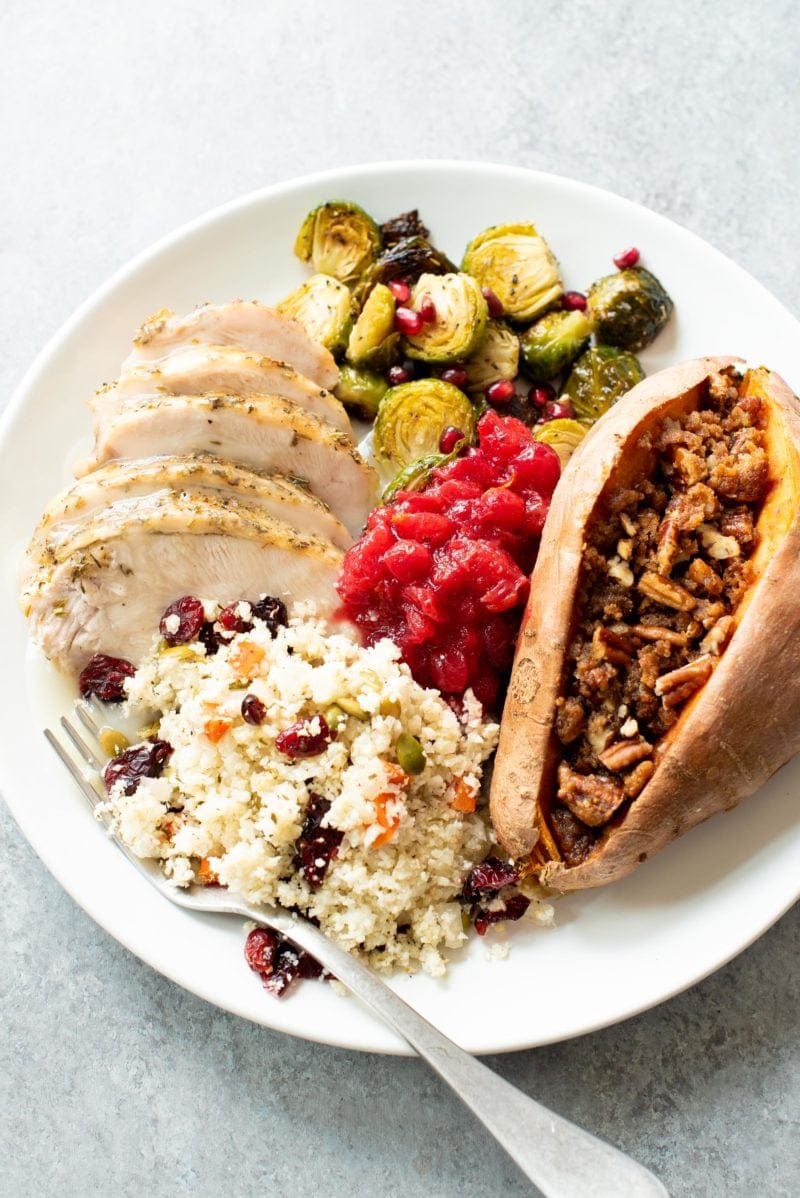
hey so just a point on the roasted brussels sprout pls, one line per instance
(361, 391)
(413, 416)
(460, 321)
(496, 358)
(598, 379)
(405, 260)
(629, 308)
(407, 224)
(519, 267)
(564, 436)
(551, 345)
(322, 306)
(374, 341)
(339, 239)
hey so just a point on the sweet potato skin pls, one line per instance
(718, 753)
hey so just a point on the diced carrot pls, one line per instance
(245, 659)
(205, 874)
(464, 799)
(216, 729)
(396, 776)
(389, 823)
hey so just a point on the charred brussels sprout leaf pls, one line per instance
(406, 260)
(564, 436)
(599, 378)
(415, 476)
(361, 391)
(461, 318)
(495, 359)
(551, 345)
(374, 341)
(322, 306)
(629, 308)
(519, 267)
(339, 239)
(407, 224)
(413, 416)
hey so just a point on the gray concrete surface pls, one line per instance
(117, 123)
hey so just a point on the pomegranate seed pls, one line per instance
(501, 392)
(407, 321)
(253, 710)
(627, 258)
(397, 375)
(492, 302)
(236, 617)
(140, 761)
(541, 396)
(317, 845)
(456, 375)
(450, 438)
(182, 620)
(574, 301)
(559, 409)
(400, 290)
(272, 611)
(105, 676)
(427, 309)
(306, 738)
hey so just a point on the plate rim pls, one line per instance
(173, 238)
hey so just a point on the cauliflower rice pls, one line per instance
(237, 805)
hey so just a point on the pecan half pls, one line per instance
(638, 778)
(623, 753)
(655, 632)
(664, 590)
(678, 684)
(588, 796)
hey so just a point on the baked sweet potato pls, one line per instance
(657, 674)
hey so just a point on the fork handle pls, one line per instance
(561, 1159)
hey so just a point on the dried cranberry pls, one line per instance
(456, 376)
(540, 397)
(105, 676)
(400, 290)
(408, 322)
(306, 738)
(427, 309)
(559, 409)
(260, 949)
(627, 258)
(397, 375)
(317, 845)
(253, 710)
(234, 617)
(488, 877)
(500, 393)
(209, 638)
(277, 962)
(450, 438)
(272, 611)
(182, 620)
(514, 907)
(493, 302)
(140, 761)
(574, 301)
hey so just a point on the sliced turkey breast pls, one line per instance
(197, 369)
(262, 432)
(105, 588)
(274, 494)
(246, 324)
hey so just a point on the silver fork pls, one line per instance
(561, 1159)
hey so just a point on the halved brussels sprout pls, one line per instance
(518, 265)
(553, 343)
(374, 341)
(599, 378)
(405, 260)
(564, 436)
(413, 416)
(322, 306)
(629, 308)
(361, 391)
(339, 239)
(461, 318)
(415, 476)
(496, 358)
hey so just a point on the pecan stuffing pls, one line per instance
(649, 636)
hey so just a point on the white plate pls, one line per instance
(614, 952)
